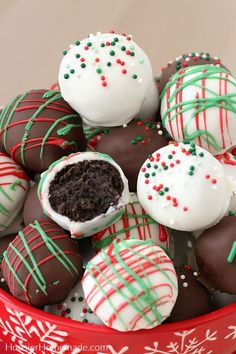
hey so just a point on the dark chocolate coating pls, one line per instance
(32, 208)
(130, 147)
(176, 65)
(193, 299)
(85, 190)
(4, 243)
(49, 268)
(37, 130)
(212, 249)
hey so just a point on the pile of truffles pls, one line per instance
(124, 184)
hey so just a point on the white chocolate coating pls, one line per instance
(131, 285)
(184, 187)
(13, 189)
(229, 165)
(74, 307)
(82, 229)
(135, 223)
(108, 86)
(198, 105)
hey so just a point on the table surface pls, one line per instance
(33, 34)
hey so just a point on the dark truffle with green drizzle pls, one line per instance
(39, 127)
(42, 264)
(215, 253)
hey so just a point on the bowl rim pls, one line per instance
(10, 300)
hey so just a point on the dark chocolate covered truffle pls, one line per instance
(42, 264)
(32, 208)
(215, 253)
(193, 299)
(39, 127)
(183, 61)
(4, 243)
(130, 146)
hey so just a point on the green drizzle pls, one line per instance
(8, 113)
(135, 296)
(198, 105)
(32, 264)
(232, 253)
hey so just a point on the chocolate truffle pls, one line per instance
(215, 253)
(135, 223)
(32, 208)
(84, 192)
(13, 189)
(4, 243)
(39, 127)
(130, 146)
(42, 264)
(131, 285)
(184, 61)
(193, 299)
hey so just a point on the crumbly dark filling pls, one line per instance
(85, 190)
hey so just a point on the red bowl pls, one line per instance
(25, 329)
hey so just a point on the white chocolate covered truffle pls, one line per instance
(198, 105)
(135, 223)
(228, 162)
(131, 285)
(13, 190)
(107, 78)
(184, 187)
(84, 192)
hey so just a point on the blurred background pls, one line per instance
(33, 33)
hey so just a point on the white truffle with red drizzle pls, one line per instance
(84, 192)
(135, 223)
(13, 189)
(131, 285)
(198, 105)
(184, 187)
(107, 78)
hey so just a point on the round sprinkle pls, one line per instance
(102, 45)
(123, 48)
(124, 71)
(135, 76)
(108, 63)
(185, 285)
(150, 197)
(182, 276)
(66, 76)
(77, 55)
(99, 70)
(83, 65)
(104, 84)
(72, 71)
(77, 43)
(65, 52)
(112, 53)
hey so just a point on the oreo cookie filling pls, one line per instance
(85, 190)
